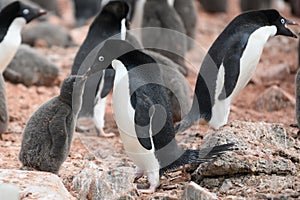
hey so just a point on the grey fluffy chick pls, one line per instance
(48, 134)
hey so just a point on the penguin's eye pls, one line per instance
(282, 21)
(26, 11)
(101, 58)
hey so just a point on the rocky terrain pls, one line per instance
(264, 165)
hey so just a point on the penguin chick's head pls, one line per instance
(274, 18)
(111, 49)
(20, 9)
(68, 86)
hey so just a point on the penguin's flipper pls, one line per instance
(58, 131)
(109, 76)
(231, 63)
(142, 119)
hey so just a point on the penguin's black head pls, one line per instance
(119, 9)
(111, 49)
(20, 9)
(274, 18)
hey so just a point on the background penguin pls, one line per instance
(142, 113)
(86, 9)
(47, 137)
(230, 63)
(169, 36)
(255, 4)
(214, 5)
(106, 24)
(13, 17)
(187, 11)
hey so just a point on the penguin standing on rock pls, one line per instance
(47, 137)
(143, 116)
(230, 63)
(13, 18)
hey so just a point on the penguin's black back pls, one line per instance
(147, 89)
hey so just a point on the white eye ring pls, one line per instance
(101, 58)
(282, 21)
(26, 11)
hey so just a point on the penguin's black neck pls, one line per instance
(135, 58)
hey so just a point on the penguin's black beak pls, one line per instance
(42, 12)
(289, 22)
(292, 23)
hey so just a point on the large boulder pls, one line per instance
(33, 185)
(29, 67)
(46, 34)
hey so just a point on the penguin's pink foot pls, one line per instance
(102, 133)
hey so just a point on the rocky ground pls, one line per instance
(265, 165)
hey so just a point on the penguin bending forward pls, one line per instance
(230, 64)
(13, 18)
(143, 116)
(47, 137)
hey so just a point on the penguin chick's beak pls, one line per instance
(292, 23)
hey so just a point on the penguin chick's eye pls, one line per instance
(101, 58)
(26, 11)
(282, 21)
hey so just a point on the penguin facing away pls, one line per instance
(13, 18)
(47, 137)
(230, 63)
(164, 32)
(186, 9)
(143, 116)
(108, 23)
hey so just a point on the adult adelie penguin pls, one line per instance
(48, 134)
(230, 63)
(108, 23)
(163, 31)
(142, 113)
(13, 18)
(187, 11)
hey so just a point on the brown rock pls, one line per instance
(274, 99)
(194, 192)
(35, 185)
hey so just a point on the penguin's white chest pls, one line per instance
(124, 117)
(251, 56)
(11, 42)
(248, 63)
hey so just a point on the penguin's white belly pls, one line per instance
(124, 117)
(248, 63)
(11, 43)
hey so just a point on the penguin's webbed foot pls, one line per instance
(101, 133)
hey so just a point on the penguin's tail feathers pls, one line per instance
(206, 154)
(199, 156)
